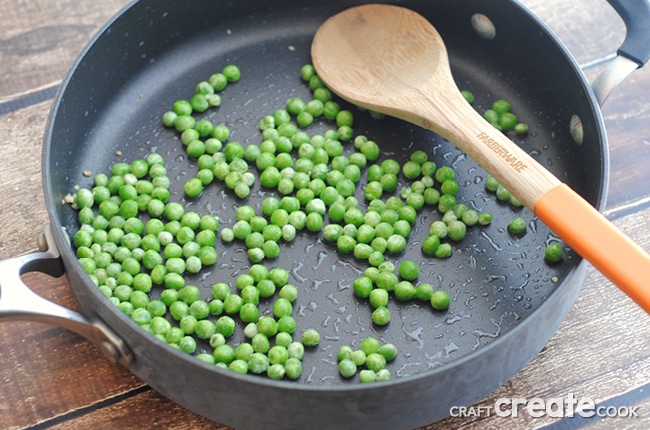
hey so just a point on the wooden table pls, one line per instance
(51, 378)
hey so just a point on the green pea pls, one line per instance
(232, 73)
(205, 329)
(383, 375)
(424, 291)
(224, 353)
(371, 150)
(344, 352)
(178, 310)
(367, 375)
(409, 270)
(346, 244)
(508, 121)
(218, 81)
(243, 351)
(362, 287)
(347, 368)
(295, 106)
(358, 357)
(331, 109)
(289, 292)
(310, 338)
(484, 218)
(378, 298)
(226, 326)
(388, 351)
(239, 366)
(446, 203)
(430, 244)
(168, 118)
(439, 228)
(249, 313)
(503, 194)
(440, 300)
(553, 252)
(395, 243)
(444, 173)
(267, 326)
(443, 251)
(411, 169)
(521, 128)
(491, 116)
(293, 368)
(517, 226)
(491, 184)
(404, 290)
(457, 230)
(141, 316)
(501, 106)
(275, 371)
(375, 361)
(184, 122)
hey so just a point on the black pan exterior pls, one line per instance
(507, 301)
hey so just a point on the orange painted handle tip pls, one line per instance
(598, 241)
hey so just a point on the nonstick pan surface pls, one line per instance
(506, 300)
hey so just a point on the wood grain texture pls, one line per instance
(40, 39)
(51, 378)
(148, 410)
(569, 20)
(21, 139)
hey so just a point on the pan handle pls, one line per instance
(19, 303)
(636, 16)
(635, 50)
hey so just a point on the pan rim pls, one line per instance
(61, 238)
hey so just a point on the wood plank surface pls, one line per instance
(53, 379)
(40, 39)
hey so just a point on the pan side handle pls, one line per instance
(19, 303)
(636, 16)
(635, 50)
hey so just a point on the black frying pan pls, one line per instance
(506, 300)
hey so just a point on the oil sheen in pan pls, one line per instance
(494, 279)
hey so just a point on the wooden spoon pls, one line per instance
(392, 60)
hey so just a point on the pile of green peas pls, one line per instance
(127, 257)
(262, 234)
(317, 183)
(377, 284)
(456, 217)
(204, 141)
(369, 361)
(270, 347)
(500, 115)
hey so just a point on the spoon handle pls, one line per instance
(442, 108)
(564, 211)
(598, 241)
